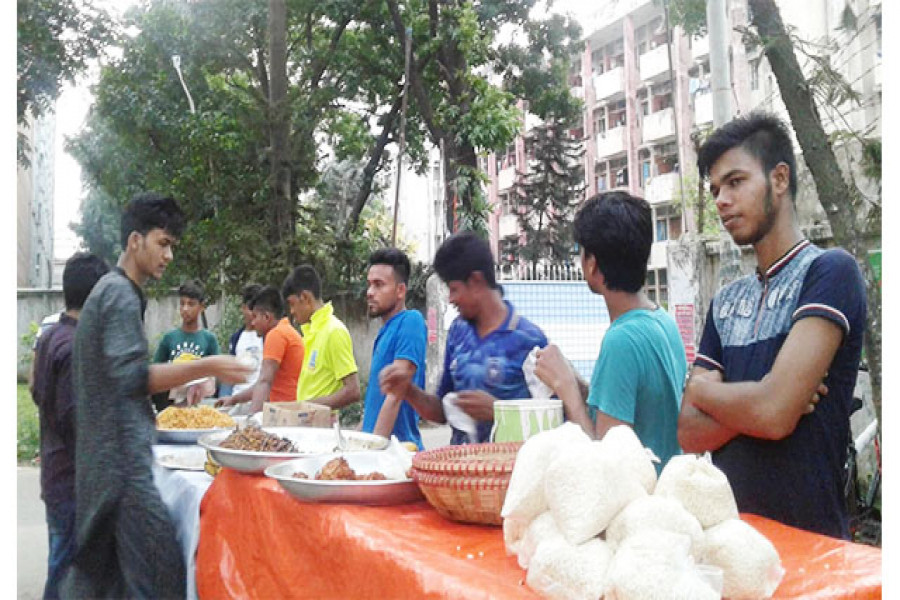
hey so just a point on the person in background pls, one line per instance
(486, 344)
(53, 393)
(771, 390)
(186, 343)
(640, 372)
(329, 375)
(126, 543)
(400, 343)
(245, 343)
(282, 357)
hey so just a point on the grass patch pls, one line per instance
(27, 427)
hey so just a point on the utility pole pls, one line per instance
(717, 21)
(403, 104)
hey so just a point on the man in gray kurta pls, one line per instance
(126, 542)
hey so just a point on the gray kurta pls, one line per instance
(126, 541)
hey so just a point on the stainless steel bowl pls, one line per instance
(375, 493)
(310, 441)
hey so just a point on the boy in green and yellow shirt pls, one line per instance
(329, 373)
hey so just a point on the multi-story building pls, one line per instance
(34, 207)
(643, 98)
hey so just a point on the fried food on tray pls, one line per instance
(253, 438)
(194, 417)
(337, 469)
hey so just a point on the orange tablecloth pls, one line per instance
(256, 541)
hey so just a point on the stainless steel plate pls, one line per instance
(376, 493)
(310, 440)
(186, 436)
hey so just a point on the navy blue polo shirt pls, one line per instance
(796, 480)
(492, 364)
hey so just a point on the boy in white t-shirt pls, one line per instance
(245, 342)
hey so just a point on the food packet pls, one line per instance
(562, 571)
(750, 563)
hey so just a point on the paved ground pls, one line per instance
(31, 540)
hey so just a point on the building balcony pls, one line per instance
(659, 125)
(611, 142)
(607, 85)
(703, 109)
(660, 189)
(509, 226)
(506, 178)
(655, 64)
(658, 258)
(700, 47)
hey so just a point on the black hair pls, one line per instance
(302, 278)
(395, 258)
(462, 254)
(762, 135)
(82, 271)
(193, 289)
(616, 228)
(249, 292)
(269, 300)
(148, 211)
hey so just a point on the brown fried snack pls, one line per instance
(336, 468)
(253, 438)
(300, 475)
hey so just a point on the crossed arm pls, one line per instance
(714, 411)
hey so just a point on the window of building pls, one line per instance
(507, 203)
(657, 287)
(667, 223)
(509, 250)
(600, 121)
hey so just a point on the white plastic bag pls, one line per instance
(622, 442)
(700, 486)
(459, 418)
(654, 512)
(562, 571)
(538, 388)
(525, 498)
(585, 488)
(750, 564)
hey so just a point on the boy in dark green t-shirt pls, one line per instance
(188, 342)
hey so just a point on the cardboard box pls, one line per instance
(296, 414)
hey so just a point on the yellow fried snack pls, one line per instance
(195, 417)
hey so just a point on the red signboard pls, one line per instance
(684, 318)
(432, 325)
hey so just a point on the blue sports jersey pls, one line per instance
(492, 364)
(796, 480)
(403, 336)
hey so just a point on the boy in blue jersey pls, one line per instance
(771, 390)
(639, 374)
(400, 343)
(486, 344)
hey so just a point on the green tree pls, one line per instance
(453, 51)
(56, 40)
(548, 193)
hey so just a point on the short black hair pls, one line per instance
(148, 211)
(302, 278)
(249, 292)
(393, 257)
(269, 300)
(462, 254)
(82, 271)
(192, 288)
(616, 228)
(762, 135)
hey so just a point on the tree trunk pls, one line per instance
(835, 196)
(282, 223)
(365, 188)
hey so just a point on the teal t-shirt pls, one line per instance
(639, 378)
(177, 342)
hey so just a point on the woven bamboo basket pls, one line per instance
(467, 483)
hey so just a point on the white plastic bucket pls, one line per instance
(518, 420)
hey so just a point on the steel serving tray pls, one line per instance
(374, 493)
(186, 436)
(310, 440)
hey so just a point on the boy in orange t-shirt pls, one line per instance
(282, 354)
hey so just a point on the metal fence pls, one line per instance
(572, 317)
